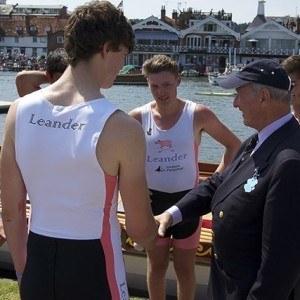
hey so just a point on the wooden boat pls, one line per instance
(131, 79)
(4, 106)
(135, 259)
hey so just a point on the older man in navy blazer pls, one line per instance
(255, 202)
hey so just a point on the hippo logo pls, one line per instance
(165, 145)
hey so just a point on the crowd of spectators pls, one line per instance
(18, 62)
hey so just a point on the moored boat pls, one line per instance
(4, 106)
(131, 79)
(189, 73)
(215, 78)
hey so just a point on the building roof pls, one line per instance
(40, 22)
(211, 19)
(6, 9)
(257, 21)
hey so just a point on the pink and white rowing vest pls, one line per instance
(172, 155)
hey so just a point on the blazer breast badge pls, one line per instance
(251, 182)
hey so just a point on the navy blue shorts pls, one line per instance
(64, 269)
(162, 201)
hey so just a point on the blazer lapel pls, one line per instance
(259, 160)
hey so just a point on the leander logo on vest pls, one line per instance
(70, 125)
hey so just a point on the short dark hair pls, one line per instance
(57, 61)
(160, 63)
(292, 64)
(93, 24)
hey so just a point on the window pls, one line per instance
(34, 39)
(210, 27)
(16, 39)
(43, 39)
(60, 40)
(194, 41)
(34, 52)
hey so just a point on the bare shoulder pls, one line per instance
(123, 125)
(136, 113)
(204, 115)
(202, 110)
(121, 139)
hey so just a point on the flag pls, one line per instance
(120, 6)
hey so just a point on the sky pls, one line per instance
(242, 10)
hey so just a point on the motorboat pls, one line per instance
(214, 78)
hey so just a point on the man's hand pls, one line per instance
(164, 221)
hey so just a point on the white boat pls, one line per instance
(189, 73)
(214, 78)
(135, 260)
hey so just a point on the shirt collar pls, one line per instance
(268, 130)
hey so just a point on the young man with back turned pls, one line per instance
(73, 250)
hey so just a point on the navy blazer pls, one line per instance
(256, 239)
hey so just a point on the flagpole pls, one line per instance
(121, 6)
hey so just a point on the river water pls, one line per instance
(127, 97)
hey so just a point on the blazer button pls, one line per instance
(221, 214)
(216, 256)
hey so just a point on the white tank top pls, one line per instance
(71, 196)
(172, 155)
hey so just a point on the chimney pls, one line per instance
(261, 8)
(174, 15)
(27, 23)
(163, 13)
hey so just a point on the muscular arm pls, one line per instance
(123, 153)
(13, 196)
(206, 120)
(30, 81)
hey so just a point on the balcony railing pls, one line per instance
(154, 48)
(215, 50)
